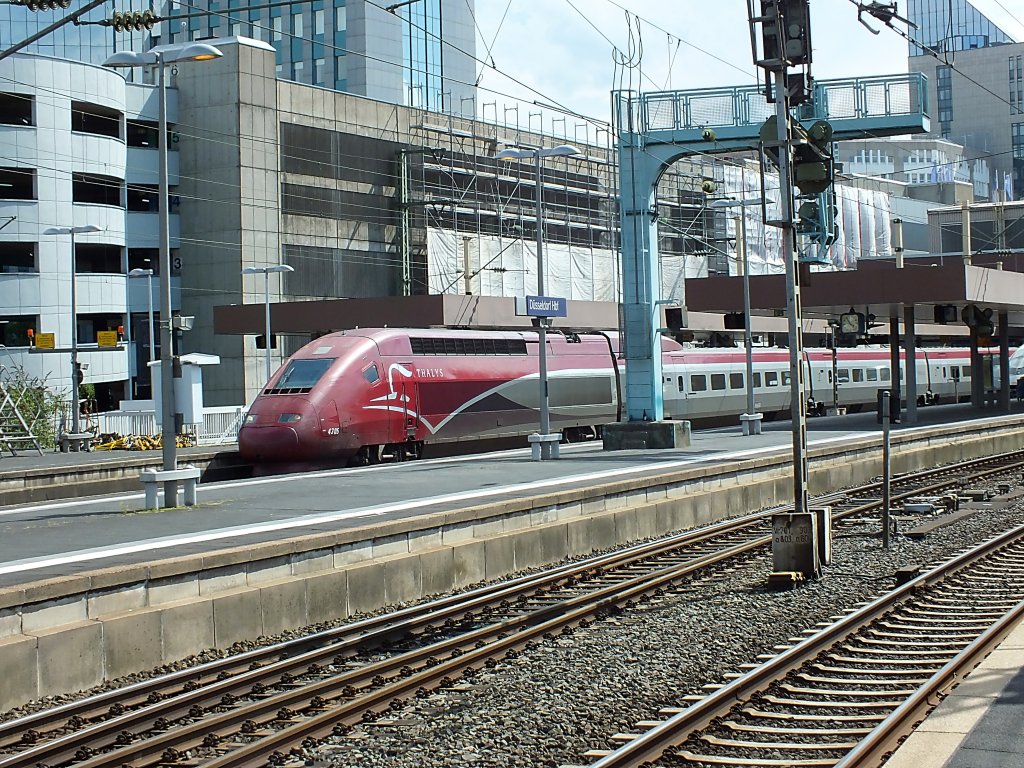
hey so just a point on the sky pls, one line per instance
(563, 49)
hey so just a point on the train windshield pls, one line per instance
(302, 375)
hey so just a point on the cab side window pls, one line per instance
(371, 374)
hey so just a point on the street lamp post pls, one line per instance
(160, 58)
(751, 420)
(148, 274)
(265, 271)
(563, 150)
(76, 425)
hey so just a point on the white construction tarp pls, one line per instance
(508, 267)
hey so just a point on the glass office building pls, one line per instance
(945, 26)
(422, 54)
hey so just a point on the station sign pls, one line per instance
(45, 340)
(541, 306)
(106, 338)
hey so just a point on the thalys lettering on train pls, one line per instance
(370, 393)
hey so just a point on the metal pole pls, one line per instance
(75, 416)
(167, 429)
(266, 306)
(152, 339)
(886, 469)
(545, 421)
(798, 412)
(742, 247)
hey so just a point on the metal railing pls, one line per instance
(860, 98)
(220, 424)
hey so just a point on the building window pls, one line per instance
(318, 71)
(16, 109)
(144, 258)
(341, 67)
(297, 70)
(17, 258)
(297, 24)
(14, 329)
(143, 198)
(97, 258)
(318, 21)
(340, 18)
(92, 118)
(98, 190)
(142, 133)
(17, 184)
(275, 24)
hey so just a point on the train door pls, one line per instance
(410, 430)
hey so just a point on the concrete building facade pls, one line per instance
(78, 147)
(422, 54)
(978, 93)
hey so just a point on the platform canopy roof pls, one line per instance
(877, 288)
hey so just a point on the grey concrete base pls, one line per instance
(751, 423)
(626, 435)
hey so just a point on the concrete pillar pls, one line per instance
(910, 348)
(1004, 363)
(895, 389)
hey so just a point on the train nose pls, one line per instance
(268, 443)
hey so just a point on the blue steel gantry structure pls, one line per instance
(656, 129)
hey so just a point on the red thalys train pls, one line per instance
(370, 393)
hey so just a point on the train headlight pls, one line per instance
(251, 418)
(288, 418)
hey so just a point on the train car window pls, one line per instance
(580, 391)
(885, 374)
(371, 374)
(757, 379)
(858, 374)
(771, 379)
(872, 374)
(785, 378)
(954, 372)
(843, 374)
(681, 385)
(735, 381)
(830, 377)
(718, 381)
(698, 383)
(301, 375)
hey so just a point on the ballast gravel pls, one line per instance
(570, 694)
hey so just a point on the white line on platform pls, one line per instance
(303, 521)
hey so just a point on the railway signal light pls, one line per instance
(812, 157)
(978, 320)
(786, 33)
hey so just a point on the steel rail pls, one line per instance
(874, 748)
(652, 745)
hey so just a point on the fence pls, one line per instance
(220, 424)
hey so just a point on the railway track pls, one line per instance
(844, 697)
(259, 706)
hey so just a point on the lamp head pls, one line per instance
(140, 273)
(562, 150)
(129, 59)
(197, 52)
